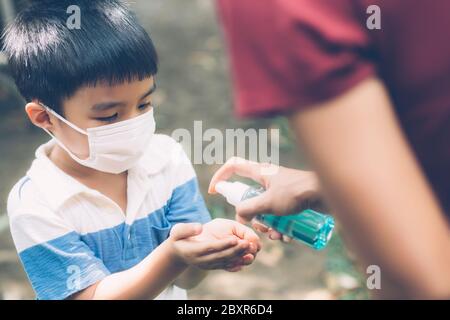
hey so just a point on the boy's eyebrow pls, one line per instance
(149, 92)
(112, 104)
(106, 105)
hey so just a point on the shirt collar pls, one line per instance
(57, 186)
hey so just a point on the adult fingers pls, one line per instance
(241, 167)
(248, 209)
(258, 226)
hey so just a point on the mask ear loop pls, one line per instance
(70, 124)
(56, 139)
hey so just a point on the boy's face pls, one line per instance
(97, 106)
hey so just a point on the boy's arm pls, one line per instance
(190, 278)
(377, 189)
(163, 265)
(144, 281)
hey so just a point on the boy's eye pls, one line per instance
(145, 106)
(115, 115)
(108, 119)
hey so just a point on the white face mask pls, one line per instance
(116, 147)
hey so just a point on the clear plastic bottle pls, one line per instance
(310, 227)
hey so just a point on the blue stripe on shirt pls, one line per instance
(61, 267)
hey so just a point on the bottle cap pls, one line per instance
(232, 191)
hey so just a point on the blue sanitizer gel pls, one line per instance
(310, 227)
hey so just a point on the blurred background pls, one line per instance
(193, 84)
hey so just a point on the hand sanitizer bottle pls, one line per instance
(309, 227)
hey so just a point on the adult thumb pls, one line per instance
(185, 230)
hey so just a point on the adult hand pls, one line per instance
(288, 191)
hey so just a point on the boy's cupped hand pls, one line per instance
(218, 244)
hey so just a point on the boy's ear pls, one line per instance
(38, 115)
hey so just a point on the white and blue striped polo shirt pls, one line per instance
(69, 236)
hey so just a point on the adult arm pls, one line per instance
(377, 190)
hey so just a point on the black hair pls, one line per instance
(50, 61)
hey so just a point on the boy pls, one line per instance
(108, 209)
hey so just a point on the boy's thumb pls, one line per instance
(185, 230)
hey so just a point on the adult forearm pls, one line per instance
(376, 188)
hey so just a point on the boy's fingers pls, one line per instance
(248, 259)
(185, 230)
(255, 241)
(234, 265)
(210, 265)
(234, 269)
(241, 262)
(217, 245)
(248, 234)
(225, 254)
(204, 248)
(239, 166)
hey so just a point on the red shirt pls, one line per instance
(289, 54)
